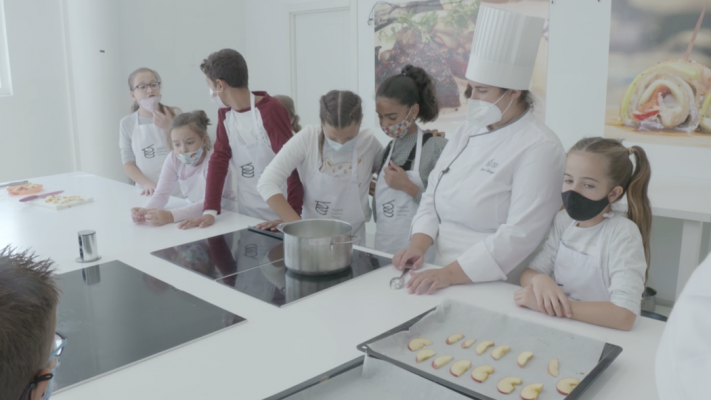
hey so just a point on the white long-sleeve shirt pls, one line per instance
(621, 255)
(512, 193)
(302, 152)
(684, 354)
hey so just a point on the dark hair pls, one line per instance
(28, 303)
(197, 121)
(634, 179)
(525, 98)
(228, 65)
(412, 86)
(288, 103)
(134, 107)
(338, 108)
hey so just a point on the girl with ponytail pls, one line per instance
(184, 168)
(335, 162)
(598, 256)
(411, 155)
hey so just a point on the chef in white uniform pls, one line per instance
(684, 355)
(496, 187)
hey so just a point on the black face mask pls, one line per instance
(580, 208)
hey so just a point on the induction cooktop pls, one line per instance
(252, 263)
(114, 315)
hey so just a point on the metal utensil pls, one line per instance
(398, 283)
(40, 196)
(10, 184)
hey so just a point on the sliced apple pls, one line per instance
(553, 368)
(441, 361)
(418, 343)
(531, 392)
(454, 338)
(481, 347)
(424, 354)
(460, 367)
(523, 358)
(480, 374)
(468, 343)
(506, 385)
(566, 385)
(500, 351)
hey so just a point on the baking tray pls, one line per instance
(608, 355)
(354, 363)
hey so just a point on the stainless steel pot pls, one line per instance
(317, 246)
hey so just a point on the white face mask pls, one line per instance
(482, 113)
(347, 146)
(215, 98)
(149, 104)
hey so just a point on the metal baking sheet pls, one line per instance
(368, 378)
(580, 357)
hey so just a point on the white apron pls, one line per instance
(249, 162)
(326, 196)
(395, 208)
(580, 275)
(193, 188)
(150, 146)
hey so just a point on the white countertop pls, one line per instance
(277, 347)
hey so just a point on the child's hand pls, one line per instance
(138, 214)
(373, 182)
(161, 120)
(158, 217)
(525, 297)
(203, 222)
(550, 298)
(435, 133)
(396, 177)
(270, 225)
(148, 189)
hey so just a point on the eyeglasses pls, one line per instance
(143, 86)
(59, 342)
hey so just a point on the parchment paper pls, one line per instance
(577, 355)
(377, 379)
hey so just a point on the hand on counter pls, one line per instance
(270, 225)
(138, 214)
(148, 189)
(428, 281)
(202, 222)
(544, 295)
(157, 217)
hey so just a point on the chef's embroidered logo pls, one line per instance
(389, 209)
(322, 207)
(490, 166)
(251, 251)
(149, 152)
(247, 170)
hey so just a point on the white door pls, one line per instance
(323, 54)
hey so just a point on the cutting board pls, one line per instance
(55, 206)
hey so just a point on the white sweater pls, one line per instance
(622, 255)
(301, 152)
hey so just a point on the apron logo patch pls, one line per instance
(247, 170)
(149, 152)
(322, 207)
(490, 166)
(251, 251)
(389, 209)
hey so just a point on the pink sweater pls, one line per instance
(173, 172)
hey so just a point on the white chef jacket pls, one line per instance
(512, 193)
(684, 355)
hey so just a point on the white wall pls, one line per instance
(173, 37)
(34, 120)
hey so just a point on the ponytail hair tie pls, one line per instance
(630, 151)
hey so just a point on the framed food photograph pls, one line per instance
(436, 35)
(659, 78)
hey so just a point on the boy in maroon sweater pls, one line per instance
(251, 128)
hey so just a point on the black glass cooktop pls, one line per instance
(252, 263)
(114, 315)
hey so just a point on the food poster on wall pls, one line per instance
(436, 35)
(654, 94)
